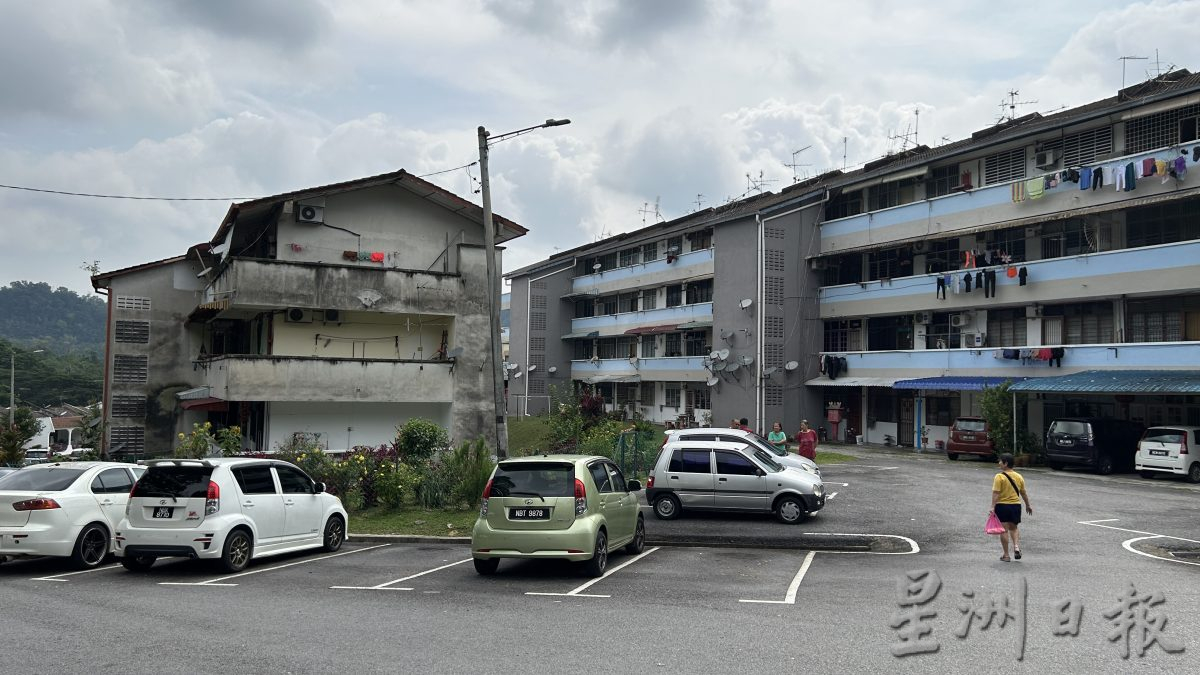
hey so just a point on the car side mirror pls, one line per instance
(318, 488)
(760, 473)
(633, 486)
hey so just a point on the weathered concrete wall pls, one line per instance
(362, 335)
(737, 267)
(274, 378)
(347, 425)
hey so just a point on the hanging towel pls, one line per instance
(1181, 167)
(1160, 169)
(1147, 167)
(1035, 187)
(1085, 178)
(1018, 192)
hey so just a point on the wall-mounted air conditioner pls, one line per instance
(333, 315)
(1046, 159)
(959, 320)
(923, 317)
(920, 246)
(310, 213)
(972, 340)
(297, 315)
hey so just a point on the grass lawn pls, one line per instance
(412, 520)
(528, 433)
(833, 458)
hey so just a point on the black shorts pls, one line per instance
(1009, 513)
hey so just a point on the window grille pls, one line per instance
(133, 302)
(1004, 166)
(773, 290)
(772, 356)
(774, 394)
(629, 257)
(649, 299)
(674, 296)
(672, 395)
(132, 369)
(774, 232)
(646, 395)
(583, 349)
(1083, 147)
(942, 180)
(1160, 130)
(537, 386)
(538, 360)
(537, 321)
(537, 301)
(650, 252)
(700, 291)
(774, 327)
(133, 331)
(773, 260)
(537, 344)
(701, 240)
(649, 346)
(702, 397)
(674, 344)
(1006, 328)
(127, 439)
(627, 302)
(844, 205)
(128, 406)
(538, 285)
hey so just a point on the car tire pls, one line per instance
(952, 456)
(1056, 466)
(138, 563)
(1147, 474)
(486, 566)
(335, 534)
(1193, 474)
(667, 507)
(790, 510)
(237, 551)
(639, 537)
(599, 561)
(1104, 465)
(91, 548)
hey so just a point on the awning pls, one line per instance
(193, 394)
(1117, 382)
(595, 379)
(852, 382)
(693, 325)
(209, 404)
(653, 330)
(955, 383)
(588, 334)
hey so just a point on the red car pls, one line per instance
(969, 436)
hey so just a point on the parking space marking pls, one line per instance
(831, 496)
(793, 588)
(57, 577)
(579, 591)
(388, 585)
(913, 546)
(217, 581)
(829, 482)
(1128, 543)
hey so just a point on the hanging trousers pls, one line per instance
(989, 283)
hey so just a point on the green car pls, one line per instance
(572, 507)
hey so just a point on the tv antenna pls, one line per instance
(1011, 104)
(1158, 67)
(646, 210)
(1125, 61)
(845, 144)
(793, 166)
(699, 200)
(757, 185)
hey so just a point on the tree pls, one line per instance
(997, 406)
(12, 438)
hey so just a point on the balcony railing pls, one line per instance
(685, 266)
(618, 324)
(300, 378)
(661, 368)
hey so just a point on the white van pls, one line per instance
(1169, 449)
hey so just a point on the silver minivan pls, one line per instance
(741, 436)
(721, 476)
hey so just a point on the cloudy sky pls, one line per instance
(669, 100)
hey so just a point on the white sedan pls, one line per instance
(65, 509)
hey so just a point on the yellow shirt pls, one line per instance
(1007, 494)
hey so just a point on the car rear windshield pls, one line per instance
(1069, 427)
(969, 425)
(179, 482)
(538, 479)
(51, 479)
(1164, 436)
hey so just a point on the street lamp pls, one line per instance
(486, 140)
(12, 383)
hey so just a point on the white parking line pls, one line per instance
(913, 546)
(1128, 543)
(829, 482)
(217, 581)
(831, 496)
(794, 587)
(57, 577)
(578, 592)
(388, 585)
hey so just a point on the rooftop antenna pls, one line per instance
(757, 185)
(699, 200)
(1125, 61)
(657, 213)
(1158, 67)
(644, 211)
(793, 166)
(1011, 104)
(845, 144)
(945, 140)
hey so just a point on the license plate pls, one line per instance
(1161, 453)
(1066, 441)
(529, 514)
(163, 511)
(968, 437)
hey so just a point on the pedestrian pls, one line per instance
(806, 441)
(744, 425)
(777, 437)
(1008, 489)
(669, 428)
(735, 424)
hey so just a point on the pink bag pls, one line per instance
(993, 525)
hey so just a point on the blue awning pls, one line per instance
(955, 382)
(1117, 382)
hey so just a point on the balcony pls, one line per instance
(662, 368)
(696, 264)
(609, 325)
(1165, 268)
(300, 378)
(992, 205)
(912, 364)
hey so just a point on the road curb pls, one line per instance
(405, 539)
(808, 541)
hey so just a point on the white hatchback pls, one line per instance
(1169, 449)
(66, 509)
(226, 509)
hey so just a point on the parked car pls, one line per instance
(1169, 450)
(970, 436)
(572, 507)
(719, 476)
(64, 509)
(5, 470)
(742, 436)
(228, 509)
(36, 456)
(1099, 443)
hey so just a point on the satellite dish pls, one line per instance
(715, 356)
(552, 369)
(596, 267)
(723, 354)
(513, 366)
(712, 381)
(745, 359)
(745, 303)
(725, 336)
(516, 376)
(732, 366)
(767, 372)
(532, 367)
(455, 353)
(791, 365)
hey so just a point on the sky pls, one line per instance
(683, 104)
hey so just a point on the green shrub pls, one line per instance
(419, 439)
(434, 487)
(394, 484)
(471, 464)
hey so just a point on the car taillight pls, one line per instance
(580, 498)
(649, 481)
(213, 504)
(1183, 445)
(483, 501)
(39, 504)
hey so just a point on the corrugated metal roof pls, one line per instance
(1117, 382)
(955, 383)
(852, 382)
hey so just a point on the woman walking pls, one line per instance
(777, 438)
(806, 441)
(1008, 489)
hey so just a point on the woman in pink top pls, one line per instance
(806, 439)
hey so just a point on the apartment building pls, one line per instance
(338, 311)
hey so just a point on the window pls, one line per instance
(837, 336)
(1006, 328)
(626, 347)
(690, 461)
(881, 405)
(646, 395)
(939, 334)
(1083, 147)
(695, 343)
(1086, 323)
(942, 181)
(699, 291)
(255, 480)
(112, 481)
(585, 308)
(674, 296)
(627, 302)
(547, 479)
(672, 395)
(600, 477)
(675, 245)
(889, 263)
(734, 464)
(1010, 241)
(132, 331)
(607, 348)
(179, 482)
(1004, 166)
(608, 261)
(842, 269)
(649, 346)
(892, 193)
(1165, 320)
(702, 239)
(629, 256)
(129, 406)
(649, 299)
(608, 305)
(844, 205)
(127, 440)
(582, 350)
(674, 344)
(1163, 224)
(650, 251)
(133, 369)
(702, 397)
(941, 411)
(942, 256)
(618, 479)
(537, 344)
(1159, 130)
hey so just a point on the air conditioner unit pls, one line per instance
(959, 320)
(1033, 231)
(333, 315)
(297, 315)
(310, 213)
(972, 340)
(923, 317)
(920, 246)
(1046, 159)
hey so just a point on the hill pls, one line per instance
(57, 320)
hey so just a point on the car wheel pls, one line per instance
(789, 510)
(335, 533)
(1193, 474)
(1147, 474)
(639, 538)
(1105, 465)
(1057, 466)
(236, 554)
(952, 455)
(666, 507)
(91, 547)
(139, 563)
(599, 562)
(486, 566)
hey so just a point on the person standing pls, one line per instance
(1008, 489)
(735, 424)
(806, 441)
(777, 438)
(744, 424)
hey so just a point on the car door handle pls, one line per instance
(674, 477)
(106, 502)
(289, 503)
(247, 503)
(722, 480)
